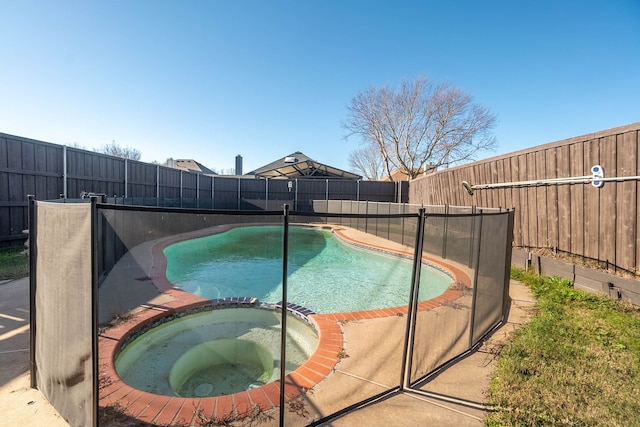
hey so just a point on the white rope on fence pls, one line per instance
(597, 179)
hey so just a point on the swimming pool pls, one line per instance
(325, 274)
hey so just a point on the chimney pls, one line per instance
(238, 164)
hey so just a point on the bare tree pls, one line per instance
(116, 150)
(76, 145)
(367, 161)
(420, 124)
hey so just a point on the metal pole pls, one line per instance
(266, 194)
(181, 185)
(157, 185)
(402, 235)
(445, 231)
(412, 307)
(326, 195)
(126, 179)
(94, 310)
(395, 190)
(472, 234)
(283, 331)
(198, 190)
(475, 284)
(238, 193)
(33, 257)
(366, 218)
(64, 171)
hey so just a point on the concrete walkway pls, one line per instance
(19, 404)
(455, 397)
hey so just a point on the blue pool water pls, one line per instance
(324, 274)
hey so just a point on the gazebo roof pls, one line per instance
(299, 165)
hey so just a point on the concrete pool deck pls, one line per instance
(454, 397)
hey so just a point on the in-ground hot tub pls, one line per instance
(214, 352)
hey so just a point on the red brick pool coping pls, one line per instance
(160, 409)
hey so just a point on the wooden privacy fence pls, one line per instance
(51, 171)
(595, 223)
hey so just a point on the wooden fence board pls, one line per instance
(4, 153)
(542, 206)
(563, 169)
(532, 202)
(551, 194)
(28, 157)
(591, 201)
(608, 201)
(626, 209)
(576, 165)
(634, 138)
(518, 239)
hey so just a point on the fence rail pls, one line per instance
(51, 171)
(598, 224)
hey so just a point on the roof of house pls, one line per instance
(398, 175)
(191, 165)
(299, 165)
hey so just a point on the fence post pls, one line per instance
(366, 218)
(266, 195)
(65, 173)
(326, 194)
(389, 221)
(213, 192)
(445, 231)
(407, 351)
(472, 235)
(126, 178)
(32, 288)
(239, 196)
(94, 310)
(403, 212)
(157, 185)
(475, 285)
(283, 328)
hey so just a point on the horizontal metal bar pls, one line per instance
(570, 180)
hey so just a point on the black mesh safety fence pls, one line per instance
(475, 247)
(62, 333)
(442, 329)
(359, 299)
(189, 311)
(185, 306)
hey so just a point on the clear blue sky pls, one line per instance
(211, 79)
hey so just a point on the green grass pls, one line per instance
(13, 263)
(576, 363)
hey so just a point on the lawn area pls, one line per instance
(576, 363)
(13, 263)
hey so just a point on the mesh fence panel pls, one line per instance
(209, 286)
(490, 281)
(360, 298)
(442, 325)
(63, 322)
(347, 304)
(474, 248)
